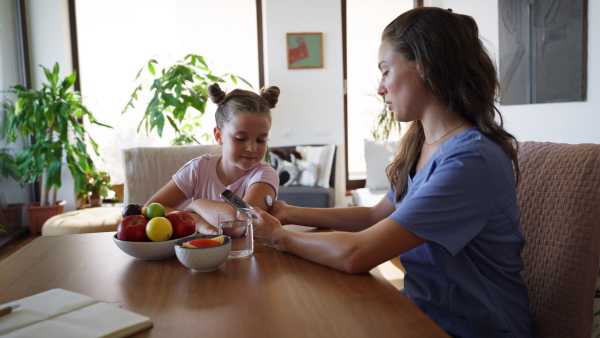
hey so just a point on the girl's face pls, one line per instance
(244, 140)
(406, 94)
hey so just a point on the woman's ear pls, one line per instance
(218, 135)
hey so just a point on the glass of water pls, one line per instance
(241, 233)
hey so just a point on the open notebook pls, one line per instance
(62, 313)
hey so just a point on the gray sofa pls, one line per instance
(305, 196)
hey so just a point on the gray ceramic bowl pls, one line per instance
(202, 259)
(148, 250)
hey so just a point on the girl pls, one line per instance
(451, 212)
(243, 123)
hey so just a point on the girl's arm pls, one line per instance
(209, 209)
(171, 197)
(353, 252)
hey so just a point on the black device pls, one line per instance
(237, 202)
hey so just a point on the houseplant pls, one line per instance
(51, 120)
(385, 123)
(179, 87)
(98, 186)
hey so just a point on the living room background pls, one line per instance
(311, 106)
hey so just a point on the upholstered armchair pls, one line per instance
(559, 197)
(147, 169)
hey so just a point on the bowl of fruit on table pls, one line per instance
(203, 253)
(149, 233)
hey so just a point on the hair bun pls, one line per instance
(271, 95)
(216, 94)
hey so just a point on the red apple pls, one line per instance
(182, 222)
(133, 229)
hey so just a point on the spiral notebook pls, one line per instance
(62, 313)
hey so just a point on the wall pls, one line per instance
(568, 122)
(311, 107)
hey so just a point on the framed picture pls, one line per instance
(304, 50)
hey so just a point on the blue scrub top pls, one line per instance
(467, 276)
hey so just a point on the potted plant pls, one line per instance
(10, 214)
(183, 85)
(98, 187)
(51, 120)
(385, 123)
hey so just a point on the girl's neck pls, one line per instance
(228, 173)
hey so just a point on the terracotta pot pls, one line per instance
(95, 201)
(39, 215)
(10, 217)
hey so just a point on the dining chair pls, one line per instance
(559, 197)
(147, 169)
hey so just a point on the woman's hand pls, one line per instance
(280, 210)
(266, 228)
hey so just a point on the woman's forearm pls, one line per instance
(344, 219)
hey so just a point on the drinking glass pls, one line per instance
(241, 233)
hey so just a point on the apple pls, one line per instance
(132, 209)
(133, 229)
(182, 222)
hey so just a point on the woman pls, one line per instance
(451, 212)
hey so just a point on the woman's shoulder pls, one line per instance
(473, 143)
(469, 140)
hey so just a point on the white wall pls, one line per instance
(569, 122)
(311, 107)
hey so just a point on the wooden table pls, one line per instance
(270, 294)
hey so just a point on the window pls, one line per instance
(116, 38)
(364, 22)
(13, 71)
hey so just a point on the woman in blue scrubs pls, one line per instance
(451, 212)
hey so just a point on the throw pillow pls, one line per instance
(322, 156)
(288, 172)
(308, 173)
(378, 155)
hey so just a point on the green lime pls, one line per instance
(155, 210)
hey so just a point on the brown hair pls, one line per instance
(458, 69)
(242, 101)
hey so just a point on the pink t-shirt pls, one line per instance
(198, 178)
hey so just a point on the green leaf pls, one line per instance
(69, 80)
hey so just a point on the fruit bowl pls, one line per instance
(148, 250)
(203, 259)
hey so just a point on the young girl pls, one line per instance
(451, 212)
(243, 122)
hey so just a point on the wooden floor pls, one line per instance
(16, 243)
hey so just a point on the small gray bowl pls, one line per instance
(202, 259)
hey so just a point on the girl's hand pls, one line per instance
(265, 227)
(202, 226)
(280, 210)
(206, 228)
